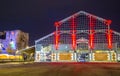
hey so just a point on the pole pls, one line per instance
(109, 39)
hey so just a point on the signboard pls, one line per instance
(101, 56)
(65, 56)
(82, 40)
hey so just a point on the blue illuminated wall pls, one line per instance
(12, 41)
(9, 42)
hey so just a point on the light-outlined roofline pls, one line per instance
(78, 14)
(44, 37)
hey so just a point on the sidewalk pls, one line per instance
(13, 63)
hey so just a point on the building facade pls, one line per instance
(11, 41)
(81, 37)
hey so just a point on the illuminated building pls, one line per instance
(11, 41)
(81, 37)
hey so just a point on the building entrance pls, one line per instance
(82, 50)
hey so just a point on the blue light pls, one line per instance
(12, 45)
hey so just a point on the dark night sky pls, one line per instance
(38, 16)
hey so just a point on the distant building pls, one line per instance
(10, 41)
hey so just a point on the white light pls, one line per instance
(1, 45)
